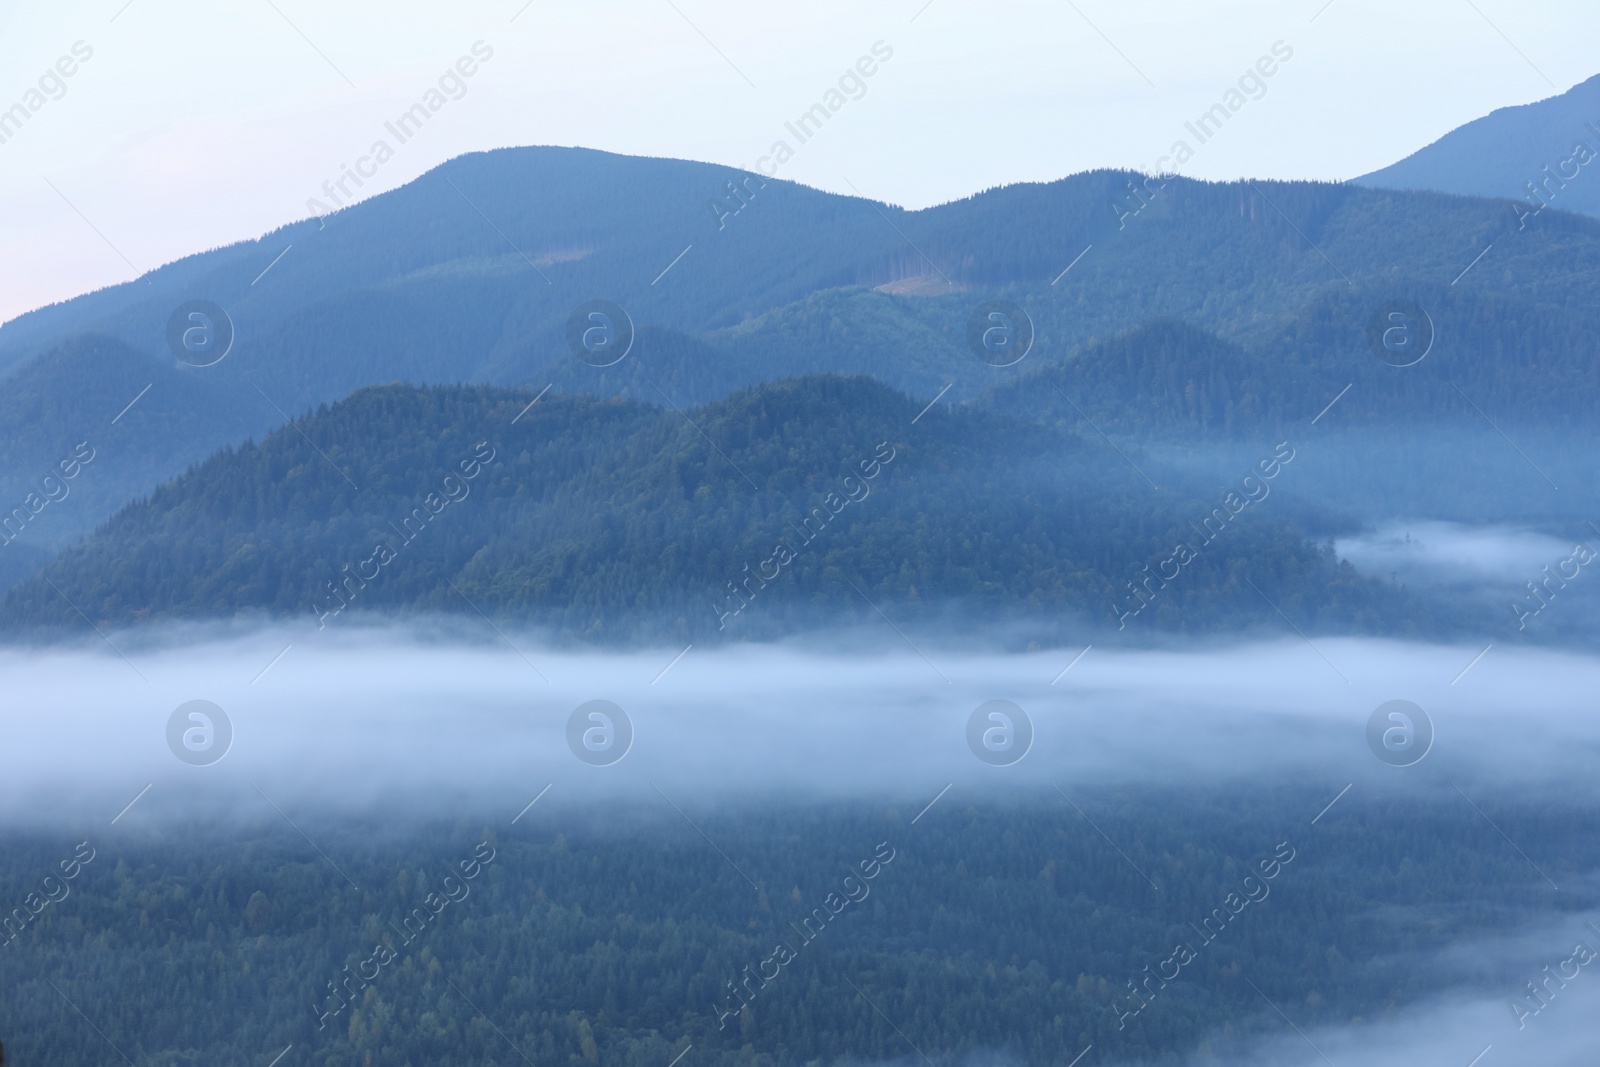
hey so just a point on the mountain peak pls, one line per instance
(1539, 153)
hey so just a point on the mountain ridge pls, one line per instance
(1520, 153)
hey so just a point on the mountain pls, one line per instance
(471, 273)
(779, 507)
(1536, 155)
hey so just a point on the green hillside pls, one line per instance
(780, 506)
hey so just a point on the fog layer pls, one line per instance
(352, 718)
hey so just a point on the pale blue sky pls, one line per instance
(197, 125)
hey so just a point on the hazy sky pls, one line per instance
(195, 125)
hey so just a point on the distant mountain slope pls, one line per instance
(780, 507)
(1495, 424)
(470, 273)
(1512, 152)
(140, 419)
(1170, 381)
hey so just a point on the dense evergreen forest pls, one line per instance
(820, 498)
(593, 933)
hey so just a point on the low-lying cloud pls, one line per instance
(1448, 553)
(352, 718)
(1475, 1023)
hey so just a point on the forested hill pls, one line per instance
(471, 272)
(1168, 380)
(819, 499)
